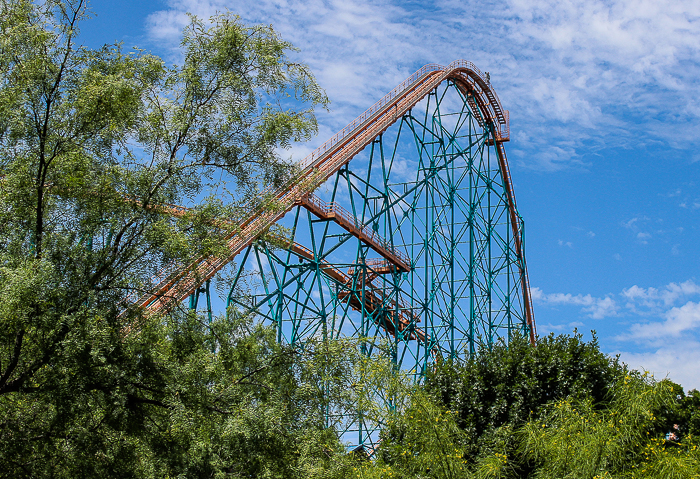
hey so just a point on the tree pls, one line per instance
(689, 412)
(91, 142)
(625, 438)
(508, 384)
(489, 396)
(560, 409)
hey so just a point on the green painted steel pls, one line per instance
(428, 189)
(194, 299)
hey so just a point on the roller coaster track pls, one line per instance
(373, 299)
(326, 160)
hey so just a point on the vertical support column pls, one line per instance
(472, 238)
(489, 233)
(451, 258)
(194, 299)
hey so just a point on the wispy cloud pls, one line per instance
(596, 308)
(575, 74)
(662, 325)
(677, 320)
(654, 300)
(636, 300)
(675, 360)
(643, 236)
(565, 243)
(644, 228)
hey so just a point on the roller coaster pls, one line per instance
(401, 230)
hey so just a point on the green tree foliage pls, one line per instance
(559, 426)
(183, 398)
(91, 143)
(505, 385)
(480, 404)
(690, 408)
(423, 440)
(573, 439)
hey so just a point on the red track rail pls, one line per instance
(373, 297)
(336, 152)
(335, 212)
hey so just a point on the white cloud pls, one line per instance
(537, 294)
(638, 300)
(635, 292)
(644, 228)
(676, 360)
(576, 74)
(602, 308)
(654, 299)
(678, 320)
(667, 339)
(596, 308)
(670, 344)
(565, 243)
(630, 224)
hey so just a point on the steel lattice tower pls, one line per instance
(402, 229)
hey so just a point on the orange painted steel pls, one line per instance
(376, 267)
(339, 150)
(373, 298)
(335, 212)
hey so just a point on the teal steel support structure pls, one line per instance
(430, 187)
(401, 230)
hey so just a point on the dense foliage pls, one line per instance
(91, 142)
(182, 398)
(560, 409)
(508, 383)
(488, 397)
(625, 438)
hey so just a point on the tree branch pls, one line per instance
(14, 361)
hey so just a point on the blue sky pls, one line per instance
(605, 126)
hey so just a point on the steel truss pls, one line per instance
(410, 242)
(402, 231)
